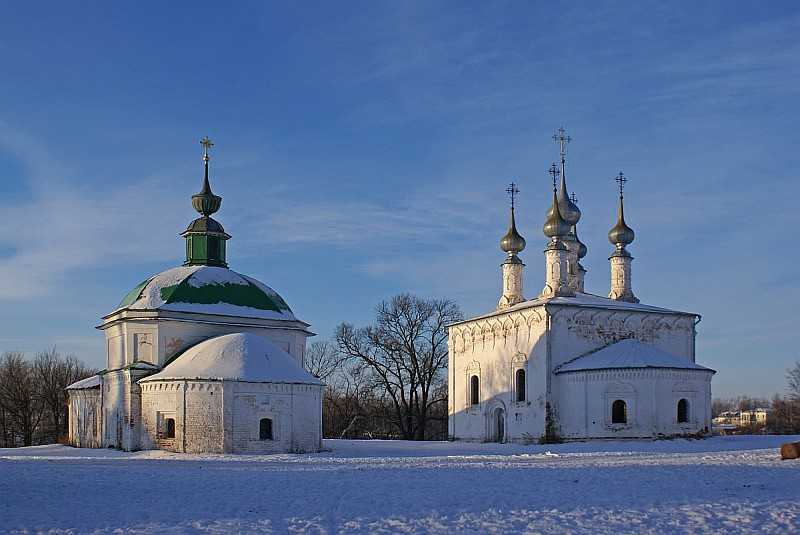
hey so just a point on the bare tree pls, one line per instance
(53, 375)
(404, 356)
(19, 396)
(793, 378)
(322, 359)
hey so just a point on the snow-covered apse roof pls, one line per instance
(236, 357)
(92, 381)
(208, 290)
(628, 353)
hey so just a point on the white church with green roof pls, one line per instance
(201, 359)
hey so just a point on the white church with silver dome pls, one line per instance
(201, 359)
(568, 364)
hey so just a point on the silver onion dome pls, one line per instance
(582, 250)
(554, 225)
(621, 234)
(512, 242)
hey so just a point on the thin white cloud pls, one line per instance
(63, 227)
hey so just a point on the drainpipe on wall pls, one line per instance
(183, 427)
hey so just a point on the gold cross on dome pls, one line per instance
(562, 139)
(621, 180)
(512, 192)
(207, 144)
(554, 172)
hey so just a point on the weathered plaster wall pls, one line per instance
(85, 413)
(224, 416)
(295, 411)
(651, 397)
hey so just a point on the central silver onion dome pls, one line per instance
(554, 225)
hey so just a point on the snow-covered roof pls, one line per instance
(236, 357)
(208, 290)
(628, 353)
(581, 300)
(90, 382)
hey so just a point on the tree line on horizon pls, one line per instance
(33, 396)
(783, 417)
(385, 380)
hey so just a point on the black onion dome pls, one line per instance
(205, 202)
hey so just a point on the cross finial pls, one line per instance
(562, 139)
(512, 193)
(574, 198)
(621, 180)
(207, 144)
(554, 172)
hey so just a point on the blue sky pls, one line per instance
(363, 149)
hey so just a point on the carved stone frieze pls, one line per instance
(504, 330)
(602, 327)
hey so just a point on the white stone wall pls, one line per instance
(121, 409)
(493, 349)
(224, 416)
(156, 341)
(85, 413)
(651, 397)
(539, 339)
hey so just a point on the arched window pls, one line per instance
(169, 423)
(619, 412)
(520, 376)
(265, 429)
(474, 384)
(683, 411)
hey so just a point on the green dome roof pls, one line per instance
(207, 290)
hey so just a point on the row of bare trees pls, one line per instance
(388, 379)
(784, 411)
(33, 399)
(785, 415)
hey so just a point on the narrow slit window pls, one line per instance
(474, 385)
(265, 429)
(619, 412)
(520, 385)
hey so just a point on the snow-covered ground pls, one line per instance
(723, 484)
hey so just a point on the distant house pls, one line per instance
(732, 420)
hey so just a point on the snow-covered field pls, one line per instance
(723, 484)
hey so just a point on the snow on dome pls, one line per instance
(236, 357)
(629, 353)
(92, 381)
(208, 290)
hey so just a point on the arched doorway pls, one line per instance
(498, 426)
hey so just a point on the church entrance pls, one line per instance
(499, 425)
